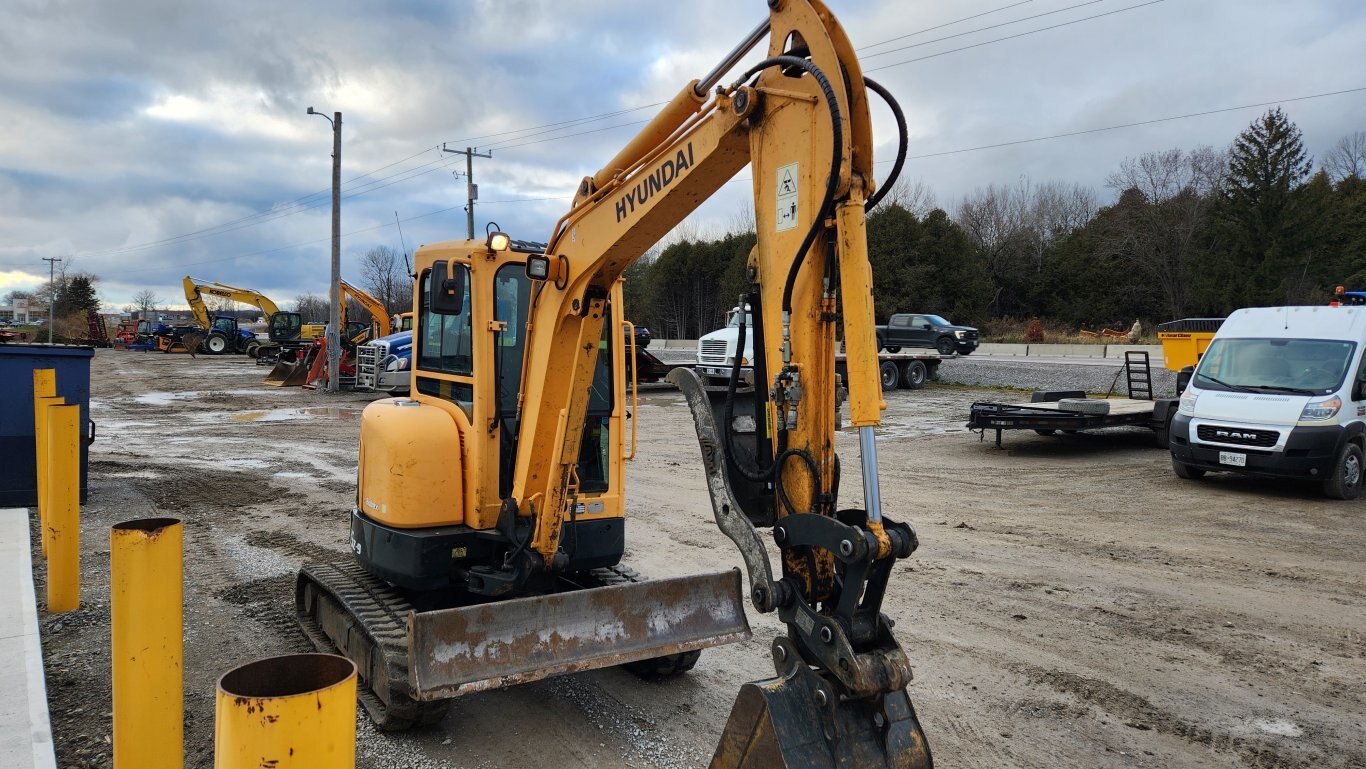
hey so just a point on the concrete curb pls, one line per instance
(25, 730)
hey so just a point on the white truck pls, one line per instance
(1280, 392)
(716, 356)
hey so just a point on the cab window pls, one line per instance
(446, 347)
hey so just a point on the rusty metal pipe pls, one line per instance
(292, 712)
(146, 596)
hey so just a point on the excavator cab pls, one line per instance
(446, 530)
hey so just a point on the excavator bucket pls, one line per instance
(798, 722)
(293, 373)
(287, 374)
(488, 646)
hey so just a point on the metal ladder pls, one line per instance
(1139, 372)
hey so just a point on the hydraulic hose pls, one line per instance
(902, 142)
(756, 473)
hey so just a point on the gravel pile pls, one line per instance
(1021, 373)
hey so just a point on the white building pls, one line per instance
(23, 311)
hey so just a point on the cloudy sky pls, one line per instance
(143, 140)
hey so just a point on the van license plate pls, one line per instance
(1232, 458)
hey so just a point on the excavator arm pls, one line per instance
(195, 290)
(379, 314)
(800, 119)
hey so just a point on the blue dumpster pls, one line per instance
(18, 473)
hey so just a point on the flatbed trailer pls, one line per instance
(1070, 410)
(910, 370)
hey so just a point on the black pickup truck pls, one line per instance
(914, 330)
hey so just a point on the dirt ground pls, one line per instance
(1072, 604)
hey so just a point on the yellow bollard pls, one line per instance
(292, 712)
(44, 472)
(147, 591)
(44, 393)
(63, 438)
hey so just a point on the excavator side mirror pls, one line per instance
(446, 294)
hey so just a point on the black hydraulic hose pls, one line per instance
(835, 159)
(815, 478)
(902, 142)
(758, 473)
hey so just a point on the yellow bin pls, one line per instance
(292, 712)
(1184, 341)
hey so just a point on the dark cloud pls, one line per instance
(124, 124)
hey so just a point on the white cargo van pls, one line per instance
(1281, 391)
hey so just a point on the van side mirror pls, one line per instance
(446, 289)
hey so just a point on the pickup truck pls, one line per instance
(916, 330)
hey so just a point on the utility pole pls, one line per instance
(52, 293)
(471, 189)
(334, 333)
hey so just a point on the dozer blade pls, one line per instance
(469, 649)
(798, 722)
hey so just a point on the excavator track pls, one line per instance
(341, 600)
(346, 610)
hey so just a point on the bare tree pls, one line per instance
(1347, 159)
(145, 302)
(385, 276)
(312, 307)
(1015, 226)
(914, 196)
(1163, 207)
(742, 220)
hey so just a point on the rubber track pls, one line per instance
(377, 613)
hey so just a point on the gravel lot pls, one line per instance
(1072, 604)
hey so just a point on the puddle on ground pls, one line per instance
(282, 415)
(166, 399)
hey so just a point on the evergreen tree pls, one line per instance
(1265, 222)
(77, 296)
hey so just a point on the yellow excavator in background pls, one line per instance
(493, 558)
(295, 364)
(222, 333)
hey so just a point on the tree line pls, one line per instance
(1191, 233)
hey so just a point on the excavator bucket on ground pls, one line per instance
(799, 721)
(457, 651)
(292, 373)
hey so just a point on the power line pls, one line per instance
(945, 24)
(944, 153)
(984, 29)
(297, 206)
(1012, 37)
(1134, 124)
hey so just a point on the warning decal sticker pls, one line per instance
(787, 197)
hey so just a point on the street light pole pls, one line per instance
(334, 332)
(51, 293)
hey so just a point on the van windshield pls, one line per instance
(1303, 366)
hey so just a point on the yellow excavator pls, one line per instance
(489, 524)
(222, 334)
(293, 365)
